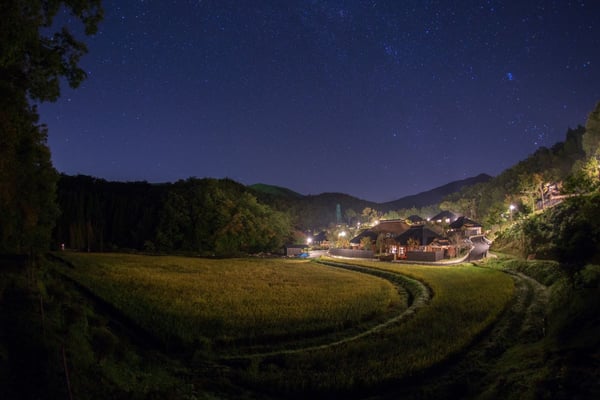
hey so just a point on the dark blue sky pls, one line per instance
(377, 99)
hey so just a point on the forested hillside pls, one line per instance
(319, 211)
(568, 232)
(521, 185)
(203, 216)
(207, 216)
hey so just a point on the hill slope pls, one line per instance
(433, 196)
(274, 190)
(314, 211)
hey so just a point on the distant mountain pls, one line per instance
(274, 190)
(320, 210)
(433, 196)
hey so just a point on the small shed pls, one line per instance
(293, 250)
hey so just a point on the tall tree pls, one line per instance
(591, 137)
(34, 56)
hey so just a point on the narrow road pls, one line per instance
(480, 248)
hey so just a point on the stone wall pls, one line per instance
(425, 255)
(351, 253)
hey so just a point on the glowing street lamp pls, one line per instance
(309, 241)
(511, 208)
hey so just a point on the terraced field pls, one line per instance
(288, 327)
(226, 304)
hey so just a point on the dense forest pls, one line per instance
(202, 216)
(210, 216)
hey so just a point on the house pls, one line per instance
(416, 244)
(320, 240)
(418, 234)
(356, 241)
(415, 219)
(467, 226)
(388, 228)
(444, 245)
(393, 227)
(444, 217)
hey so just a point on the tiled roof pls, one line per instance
(420, 233)
(366, 233)
(443, 215)
(464, 221)
(395, 226)
(415, 218)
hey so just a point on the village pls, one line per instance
(443, 237)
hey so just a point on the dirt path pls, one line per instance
(419, 296)
(479, 368)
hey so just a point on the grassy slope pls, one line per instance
(564, 362)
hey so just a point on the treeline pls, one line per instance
(36, 56)
(566, 230)
(200, 216)
(568, 233)
(521, 185)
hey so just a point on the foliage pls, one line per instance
(98, 215)
(27, 180)
(32, 58)
(568, 233)
(366, 243)
(525, 180)
(219, 217)
(547, 272)
(591, 138)
(32, 62)
(208, 216)
(370, 215)
(585, 177)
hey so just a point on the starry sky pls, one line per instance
(376, 99)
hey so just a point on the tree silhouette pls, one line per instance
(33, 59)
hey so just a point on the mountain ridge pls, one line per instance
(421, 199)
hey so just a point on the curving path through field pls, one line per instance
(419, 296)
(479, 368)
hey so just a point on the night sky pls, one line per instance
(377, 99)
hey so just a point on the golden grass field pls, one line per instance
(232, 300)
(224, 305)
(466, 300)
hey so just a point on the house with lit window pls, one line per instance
(465, 226)
(444, 217)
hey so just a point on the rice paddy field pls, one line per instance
(234, 301)
(465, 301)
(232, 306)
